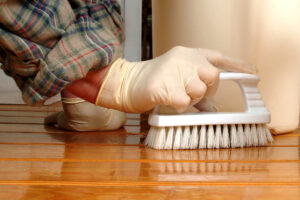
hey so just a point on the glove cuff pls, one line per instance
(71, 100)
(109, 95)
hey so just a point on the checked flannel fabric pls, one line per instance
(47, 44)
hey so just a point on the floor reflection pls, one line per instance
(120, 136)
(199, 165)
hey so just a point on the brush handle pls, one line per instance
(248, 84)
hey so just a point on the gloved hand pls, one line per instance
(80, 115)
(178, 78)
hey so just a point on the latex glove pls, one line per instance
(80, 115)
(178, 78)
(206, 105)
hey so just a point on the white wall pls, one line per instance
(265, 33)
(9, 92)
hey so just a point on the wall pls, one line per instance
(265, 33)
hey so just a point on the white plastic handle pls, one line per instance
(248, 84)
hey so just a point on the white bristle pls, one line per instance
(225, 138)
(254, 134)
(247, 134)
(185, 140)
(233, 136)
(150, 136)
(269, 135)
(202, 137)
(262, 138)
(170, 138)
(160, 138)
(251, 136)
(240, 133)
(178, 137)
(194, 138)
(244, 135)
(210, 137)
(218, 137)
(155, 131)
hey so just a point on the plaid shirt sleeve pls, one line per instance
(47, 44)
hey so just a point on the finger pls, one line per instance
(196, 89)
(206, 105)
(208, 73)
(210, 76)
(179, 100)
(211, 90)
(230, 64)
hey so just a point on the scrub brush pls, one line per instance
(208, 130)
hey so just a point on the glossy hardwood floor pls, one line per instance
(40, 162)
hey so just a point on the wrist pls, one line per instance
(88, 87)
(67, 94)
(110, 90)
(96, 77)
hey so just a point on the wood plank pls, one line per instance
(40, 120)
(39, 114)
(279, 140)
(91, 153)
(21, 120)
(37, 118)
(41, 128)
(109, 138)
(29, 128)
(24, 114)
(58, 192)
(105, 138)
(24, 108)
(150, 172)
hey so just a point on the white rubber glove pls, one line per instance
(178, 78)
(80, 115)
(206, 105)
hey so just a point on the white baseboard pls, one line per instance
(11, 97)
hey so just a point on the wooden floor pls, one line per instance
(40, 162)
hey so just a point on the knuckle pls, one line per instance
(214, 57)
(178, 49)
(213, 76)
(198, 92)
(217, 54)
(202, 89)
(184, 102)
